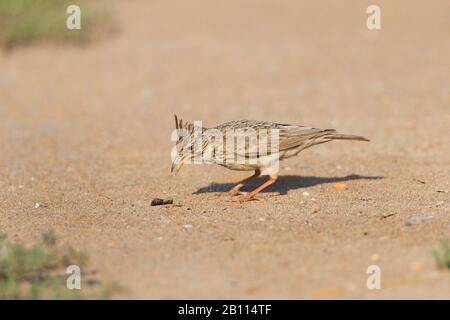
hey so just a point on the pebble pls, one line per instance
(188, 226)
(306, 193)
(418, 219)
(340, 186)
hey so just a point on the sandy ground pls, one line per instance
(86, 132)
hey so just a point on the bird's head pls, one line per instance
(184, 147)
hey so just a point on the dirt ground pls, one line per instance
(85, 132)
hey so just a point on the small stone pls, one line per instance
(37, 205)
(340, 186)
(418, 219)
(188, 226)
(306, 193)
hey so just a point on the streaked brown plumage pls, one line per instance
(292, 139)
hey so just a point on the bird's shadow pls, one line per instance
(285, 183)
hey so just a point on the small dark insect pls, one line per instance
(160, 202)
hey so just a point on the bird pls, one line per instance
(247, 145)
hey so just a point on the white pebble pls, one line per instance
(37, 205)
(188, 226)
(306, 193)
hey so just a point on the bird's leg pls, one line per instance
(235, 190)
(252, 194)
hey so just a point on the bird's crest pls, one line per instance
(179, 124)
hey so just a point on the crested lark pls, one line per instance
(247, 145)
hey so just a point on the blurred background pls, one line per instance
(86, 117)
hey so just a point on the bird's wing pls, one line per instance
(296, 136)
(256, 138)
(289, 137)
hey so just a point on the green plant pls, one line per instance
(442, 256)
(38, 272)
(27, 21)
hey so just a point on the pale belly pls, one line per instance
(267, 164)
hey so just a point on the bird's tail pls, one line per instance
(339, 136)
